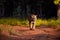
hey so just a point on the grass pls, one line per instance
(5, 28)
(14, 21)
(49, 23)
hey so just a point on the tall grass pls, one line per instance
(14, 21)
(50, 22)
(7, 21)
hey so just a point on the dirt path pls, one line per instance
(23, 33)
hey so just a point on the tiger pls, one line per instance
(32, 21)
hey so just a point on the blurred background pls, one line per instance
(45, 9)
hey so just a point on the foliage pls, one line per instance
(41, 22)
(14, 21)
(9, 21)
(56, 2)
(49, 22)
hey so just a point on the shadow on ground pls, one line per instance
(32, 37)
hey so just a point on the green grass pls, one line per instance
(41, 22)
(14, 21)
(50, 22)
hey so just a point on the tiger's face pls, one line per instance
(32, 18)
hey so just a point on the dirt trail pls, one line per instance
(23, 33)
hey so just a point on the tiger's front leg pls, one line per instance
(32, 25)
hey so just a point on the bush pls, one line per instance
(41, 22)
(14, 21)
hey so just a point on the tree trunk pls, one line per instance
(58, 12)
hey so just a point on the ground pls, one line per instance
(23, 33)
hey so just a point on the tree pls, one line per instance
(57, 2)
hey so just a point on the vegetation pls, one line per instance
(14, 21)
(18, 22)
(56, 2)
(22, 8)
(48, 23)
(19, 9)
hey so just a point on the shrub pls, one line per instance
(41, 22)
(15, 21)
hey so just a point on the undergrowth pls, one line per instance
(14, 22)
